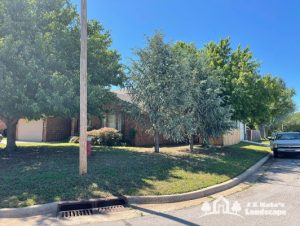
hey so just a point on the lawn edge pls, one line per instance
(51, 208)
(157, 199)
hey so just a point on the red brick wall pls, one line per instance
(57, 129)
(2, 126)
(141, 138)
(95, 122)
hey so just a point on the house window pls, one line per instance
(112, 122)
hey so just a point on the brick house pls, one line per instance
(116, 117)
(49, 129)
(58, 129)
(46, 130)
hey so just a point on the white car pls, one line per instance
(286, 142)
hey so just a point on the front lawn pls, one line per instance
(41, 173)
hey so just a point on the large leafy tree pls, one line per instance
(256, 100)
(278, 102)
(291, 123)
(39, 62)
(156, 88)
(204, 113)
(239, 77)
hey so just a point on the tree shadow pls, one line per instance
(41, 174)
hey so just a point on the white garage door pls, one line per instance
(30, 130)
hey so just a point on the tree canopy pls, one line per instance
(291, 123)
(39, 62)
(154, 84)
(255, 99)
(177, 92)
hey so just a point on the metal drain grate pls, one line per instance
(86, 208)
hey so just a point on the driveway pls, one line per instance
(274, 199)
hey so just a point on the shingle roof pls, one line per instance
(122, 94)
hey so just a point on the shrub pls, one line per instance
(74, 139)
(131, 136)
(105, 136)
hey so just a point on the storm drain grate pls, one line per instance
(86, 208)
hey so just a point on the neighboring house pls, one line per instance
(57, 129)
(43, 130)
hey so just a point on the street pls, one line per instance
(277, 190)
(273, 199)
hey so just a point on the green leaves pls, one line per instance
(39, 60)
(177, 91)
(251, 96)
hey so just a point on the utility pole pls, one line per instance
(83, 90)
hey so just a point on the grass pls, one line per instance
(264, 141)
(41, 172)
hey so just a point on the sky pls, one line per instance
(271, 29)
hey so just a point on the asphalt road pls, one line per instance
(274, 199)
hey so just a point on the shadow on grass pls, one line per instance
(41, 174)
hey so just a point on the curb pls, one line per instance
(258, 144)
(199, 193)
(51, 208)
(43, 209)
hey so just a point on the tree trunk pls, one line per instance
(262, 130)
(156, 142)
(11, 134)
(205, 141)
(191, 141)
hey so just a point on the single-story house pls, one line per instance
(57, 129)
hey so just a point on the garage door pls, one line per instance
(30, 130)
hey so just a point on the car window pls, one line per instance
(288, 136)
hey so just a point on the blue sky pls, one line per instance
(270, 28)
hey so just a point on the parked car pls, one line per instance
(285, 142)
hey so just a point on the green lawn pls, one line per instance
(41, 173)
(265, 141)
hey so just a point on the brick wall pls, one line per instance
(141, 138)
(57, 129)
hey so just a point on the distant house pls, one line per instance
(116, 116)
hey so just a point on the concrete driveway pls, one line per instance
(274, 199)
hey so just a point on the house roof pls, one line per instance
(122, 94)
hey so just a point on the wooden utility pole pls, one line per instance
(83, 90)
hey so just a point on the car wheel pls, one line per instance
(275, 154)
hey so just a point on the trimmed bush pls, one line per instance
(105, 136)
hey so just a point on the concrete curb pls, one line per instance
(51, 208)
(44, 209)
(256, 143)
(199, 193)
